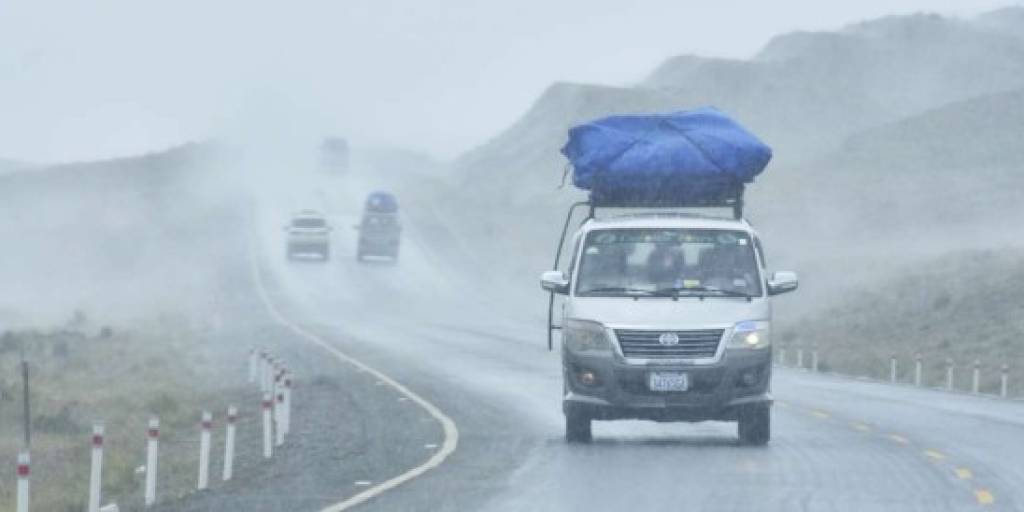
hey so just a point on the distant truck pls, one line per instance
(379, 228)
(308, 233)
(667, 314)
(334, 155)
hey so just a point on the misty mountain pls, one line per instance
(803, 93)
(115, 238)
(12, 165)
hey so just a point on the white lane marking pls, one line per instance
(362, 483)
(451, 432)
(430, 446)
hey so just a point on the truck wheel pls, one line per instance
(577, 427)
(755, 425)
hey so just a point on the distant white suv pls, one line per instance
(667, 317)
(308, 233)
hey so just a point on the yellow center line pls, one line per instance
(937, 455)
(984, 497)
(899, 439)
(860, 426)
(780, 403)
(820, 414)
(964, 473)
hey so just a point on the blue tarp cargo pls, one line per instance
(381, 202)
(678, 158)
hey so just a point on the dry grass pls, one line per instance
(81, 374)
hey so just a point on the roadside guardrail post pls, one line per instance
(800, 357)
(1004, 381)
(949, 373)
(893, 368)
(229, 443)
(24, 465)
(152, 438)
(267, 403)
(917, 369)
(96, 468)
(976, 377)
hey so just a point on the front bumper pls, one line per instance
(716, 392)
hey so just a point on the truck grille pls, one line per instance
(647, 345)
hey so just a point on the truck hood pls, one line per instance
(665, 313)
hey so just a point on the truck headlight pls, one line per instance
(585, 337)
(751, 335)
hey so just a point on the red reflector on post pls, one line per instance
(97, 440)
(23, 470)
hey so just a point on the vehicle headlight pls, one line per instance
(585, 337)
(751, 334)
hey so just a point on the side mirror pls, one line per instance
(555, 281)
(782, 281)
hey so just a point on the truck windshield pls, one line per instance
(655, 262)
(308, 222)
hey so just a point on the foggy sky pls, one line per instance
(86, 80)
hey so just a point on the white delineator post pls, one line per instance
(152, 438)
(23, 474)
(949, 374)
(1004, 381)
(782, 356)
(229, 443)
(287, 403)
(268, 402)
(279, 416)
(814, 359)
(253, 365)
(917, 370)
(893, 367)
(976, 378)
(96, 468)
(800, 358)
(204, 450)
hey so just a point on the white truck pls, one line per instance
(667, 317)
(308, 232)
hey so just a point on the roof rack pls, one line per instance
(730, 197)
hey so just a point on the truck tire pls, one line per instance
(755, 425)
(577, 427)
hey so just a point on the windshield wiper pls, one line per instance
(618, 289)
(676, 292)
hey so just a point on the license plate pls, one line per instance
(668, 381)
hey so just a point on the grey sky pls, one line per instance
(81, 80)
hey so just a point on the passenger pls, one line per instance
(665, 265)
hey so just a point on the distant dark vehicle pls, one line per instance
(334, 155)
(379, 229)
